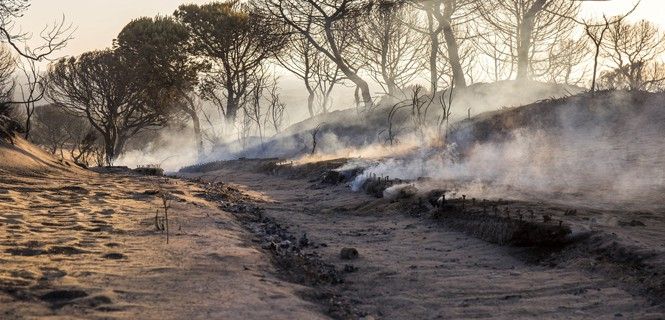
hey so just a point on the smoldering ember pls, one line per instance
(332, 159)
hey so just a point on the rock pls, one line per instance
(571, 212)
(350, 268)
(333, 177)
(149, 171)
(349, 254)
(632, 223)
(267, 246)
(375, 186)
(285, 244)
(304, 242)
(63, 295)
(114, 256)
(97, 301)
(436, 197)
(407, 192)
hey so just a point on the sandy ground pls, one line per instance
(411, 268)
(86, 247)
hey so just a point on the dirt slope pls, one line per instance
(78, 245)
(22, 157)
(351, 128)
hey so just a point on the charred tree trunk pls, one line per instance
(361, 84)
(326, 98)
(196, 124)
(346, 69)
(453, 56)
(523, 51)
(595, 68)
(232, 106)
(119, 147)
(434, 50)
(198, 136)
(445, 25)
(109, 149)
(388, 78)
(28, 124)
(525, 32)
(310, 101)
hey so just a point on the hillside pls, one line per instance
(596, 150)
(350, 129)
(22, 157)
(612, 114)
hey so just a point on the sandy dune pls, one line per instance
(74, 244)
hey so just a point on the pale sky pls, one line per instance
(99, 21)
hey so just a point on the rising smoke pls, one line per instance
(597, 152)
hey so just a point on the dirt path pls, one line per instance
(410, 268)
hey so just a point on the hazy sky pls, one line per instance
(99, 21)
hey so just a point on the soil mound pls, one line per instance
(20, 156)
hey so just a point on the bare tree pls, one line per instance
(531, 26)
(501, 62)
(276, 108)
(7, 84)
(192, 108)
(315, 136)
(445, 18)
(565, 56)
(596, 31)
(446, 103)
(83, 148)
(633, 48)
(263, 109)
(31, 91)
(328, 76)
(244, 128)
(324, 23)
(433, 31)
(238, 41)
(392, 131)
(50, 131)
(58, 131)
(420, 104)
(318, 73)
(53, 37)
(253, 106)
(390, 48)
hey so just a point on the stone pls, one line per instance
(349, 254)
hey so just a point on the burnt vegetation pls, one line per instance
(213, 72)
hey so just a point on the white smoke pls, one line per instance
(587, 166)
(170, 152)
